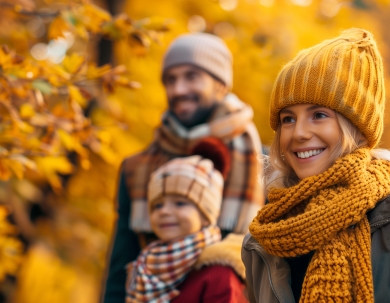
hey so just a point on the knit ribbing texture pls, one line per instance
(344, 73)
(327, 213)
(203, 50)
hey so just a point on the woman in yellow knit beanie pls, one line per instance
(324, 236)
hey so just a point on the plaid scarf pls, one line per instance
(231, 123)
(161, 267)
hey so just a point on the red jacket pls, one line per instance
(212, 284)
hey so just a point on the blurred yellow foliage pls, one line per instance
(49, 279)
(44, 104)
(10, 248)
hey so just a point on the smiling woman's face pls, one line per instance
(309, 134)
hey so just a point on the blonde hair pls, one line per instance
(277, 172)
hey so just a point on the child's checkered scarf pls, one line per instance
(162, 266)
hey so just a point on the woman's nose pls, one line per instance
(302, 130)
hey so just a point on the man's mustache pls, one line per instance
(191, 97)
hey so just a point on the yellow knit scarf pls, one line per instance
(327, 213)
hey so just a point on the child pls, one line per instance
(324, 235)
(188, 263)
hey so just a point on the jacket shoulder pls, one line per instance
(225, 253)
(267, 276)
(380, 215)
(129, 162)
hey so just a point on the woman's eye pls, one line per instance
(287, 119)
(320, 115)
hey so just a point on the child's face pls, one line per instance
(174, 217)
(309, 133)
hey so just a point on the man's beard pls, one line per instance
(200, 116)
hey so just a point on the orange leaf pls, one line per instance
(58, 27)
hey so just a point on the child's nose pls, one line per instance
(165, 209)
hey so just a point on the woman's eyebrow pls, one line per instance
(315, 106)
(286, 111)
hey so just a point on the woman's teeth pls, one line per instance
(309, 153)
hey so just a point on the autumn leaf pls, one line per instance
(76, 95)
(57, 28)
(49, 167)
(94, 72)
(115, 78)
(73, 63)
(93, 17)
(43, 86)
(118, 28)
(26, 111)
(5, 172)
(11, 250)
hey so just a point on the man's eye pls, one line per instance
(169, 80)
(191, 75)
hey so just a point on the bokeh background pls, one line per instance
(62, 219)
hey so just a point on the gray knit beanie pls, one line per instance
(205, 51)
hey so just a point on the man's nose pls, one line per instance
(180, 87)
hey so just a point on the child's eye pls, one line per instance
(181, 203)
(287, 119)
(157, 206)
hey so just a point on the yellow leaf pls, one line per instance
(5, 173)
(85, 163)
(57, 28)
(94, 72)
(66, 139)
(25, 127)
(26, 111)
(76, 95)
(93, 16)
(26, 162)
(73, 63)
(82, 31)
(16, 167)
(49, 167)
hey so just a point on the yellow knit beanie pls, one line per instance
(344, 73)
